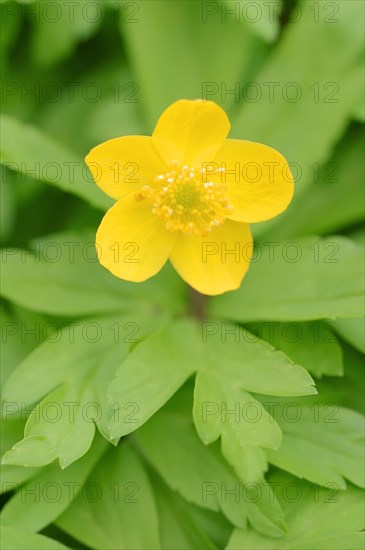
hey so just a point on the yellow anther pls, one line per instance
(185, 202)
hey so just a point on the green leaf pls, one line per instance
(353, 330)
(12, 429)
(312, 345)
(28, 150)
(121, 497)
(262, 20)
(61, 434)
(8, 205)
(223, 410)
(16, 341)
(316, 285)
(336, 189)
(73, 373)
(13, 538)
(321, 443)
(358, 235)
(235, 363)
(64, 277)
(90, 123)
(346, 391)
(197, 67)
(293, 96)
(15, 476)
(55, 37)
(178, 526)
(43, 498)
(235, 356)
(214, 524)
(359, 111)
(10, 27)
(169, 442)
(355, 541)
(317, 519)
(151, 374)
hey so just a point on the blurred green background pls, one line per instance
(76, 73)
(289, 74)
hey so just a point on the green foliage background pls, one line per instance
(160, 460)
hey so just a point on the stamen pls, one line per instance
(185, 202)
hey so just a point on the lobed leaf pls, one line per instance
(52, 489)
(312, 345)
(69, 377)
(353, 331)
(302, 107)
(289, 281)
(122, 499)
(236, 363)
(13, 538)
(62, 276)
(317, 519)
(323, 443)
(199, 473)
(28, 150)
(151, 375)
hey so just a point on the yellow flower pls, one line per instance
(186, 194)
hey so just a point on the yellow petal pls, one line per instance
(216, 263)
(131, 242)
(260, 184)
(123, 165)
(191, 132)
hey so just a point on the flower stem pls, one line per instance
(197, 303)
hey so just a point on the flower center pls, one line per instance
(186, 200)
